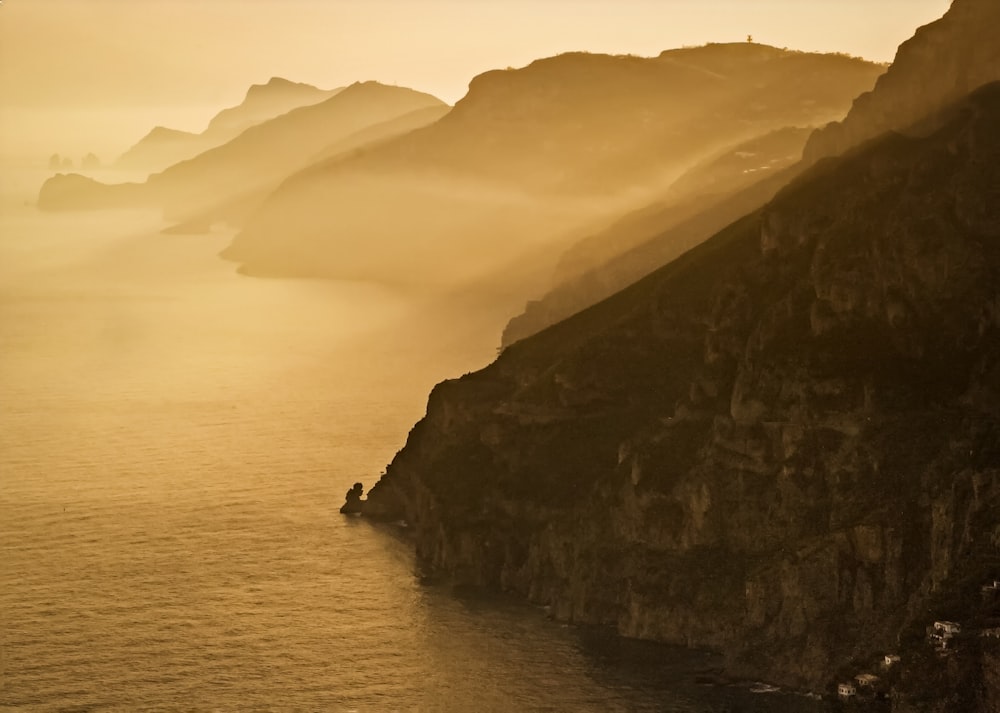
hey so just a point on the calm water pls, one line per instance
(174, 443)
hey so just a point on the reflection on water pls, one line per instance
(174, 443)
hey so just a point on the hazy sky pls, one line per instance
(175, 62)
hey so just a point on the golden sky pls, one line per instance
(176, 62)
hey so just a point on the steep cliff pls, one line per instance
(942, 62)
(784, 445)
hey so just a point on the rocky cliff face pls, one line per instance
(160, 148)
(784, 445)
(942, 62)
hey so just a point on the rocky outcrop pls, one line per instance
(784, 445)
(353, 504)
(942, 62)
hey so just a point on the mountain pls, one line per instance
(160, 148)
(783, 445)
(531, 155)
(263, 155)
(263, 102)
(163, 147)
(942, 62)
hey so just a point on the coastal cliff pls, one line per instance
(784, 445)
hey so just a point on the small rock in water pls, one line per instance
(353, 504)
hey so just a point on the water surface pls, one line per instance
(174, 442)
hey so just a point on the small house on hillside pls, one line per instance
(846, 690)
(947, 629)
(866, 680)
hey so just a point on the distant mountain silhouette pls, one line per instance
(263, 155)
(942, 62)
(263, 102)
(235, 209)
(530, 156)
(162, 147)
(274, 149)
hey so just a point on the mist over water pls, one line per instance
(174, 442)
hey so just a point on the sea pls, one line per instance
(175, 442)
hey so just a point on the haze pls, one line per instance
(119, 67)
(587, 275)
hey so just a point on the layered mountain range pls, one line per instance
(260, 157)
(530, 157)
(785, 443)
(163, 146)
(385, 183)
